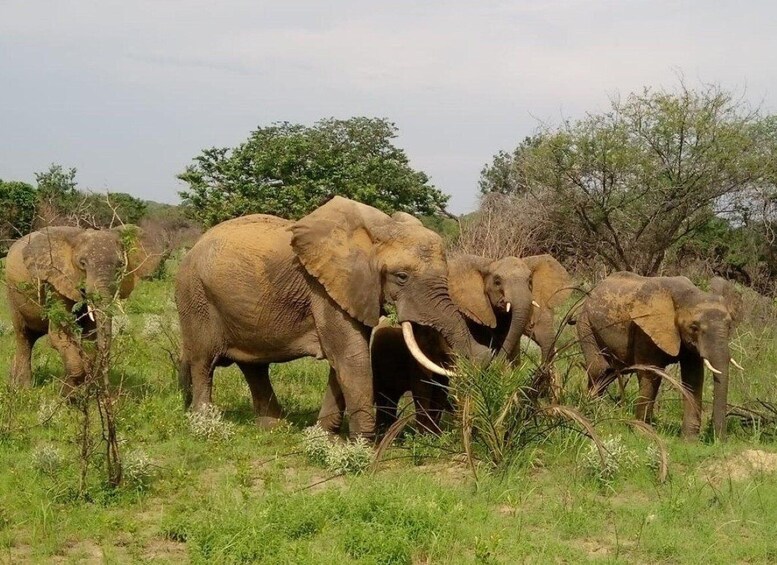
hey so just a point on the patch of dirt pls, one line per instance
(166, 550)
(742, 466)
(85, 551)
(593, 548)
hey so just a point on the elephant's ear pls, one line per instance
(48, 257)
(335, 244)
(653, 310)
(466, 284)
(731, 296)
(550, 281)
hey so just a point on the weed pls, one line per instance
(208, 424)
(47, 459)
(617, 457)
(341, 458)
(138, 469)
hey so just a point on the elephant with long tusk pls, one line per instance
(632, 320)
(260, 289)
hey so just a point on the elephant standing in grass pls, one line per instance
(630, 320)
(82, 270)
(502, 300)
(260, 289)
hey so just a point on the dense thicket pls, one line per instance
(659, 179)
(289, 169)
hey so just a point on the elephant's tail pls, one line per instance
(185, 382)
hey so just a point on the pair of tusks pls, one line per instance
(418, 355)
(715, 371)
(533, 303)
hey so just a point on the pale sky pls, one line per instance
(128, 92)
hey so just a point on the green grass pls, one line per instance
(255, 497)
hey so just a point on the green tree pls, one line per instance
(17, 211)
(627, 185)
(107, 210)
(289, 169)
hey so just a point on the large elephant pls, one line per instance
(260, 289)
(74, 266)
(630, 320)
(502, 300)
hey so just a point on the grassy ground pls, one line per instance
(254, 497)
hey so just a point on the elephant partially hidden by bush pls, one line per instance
(260, 289)
(630, 320)
(502, 300)
(70, 266)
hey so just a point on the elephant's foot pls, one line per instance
(268, 422)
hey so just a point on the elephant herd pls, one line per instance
(259, 289)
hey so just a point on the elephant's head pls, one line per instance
(507, 293)
(367, 260)
(84, 263)
(678, 316)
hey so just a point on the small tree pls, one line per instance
(288, 169)
(627, 185)
(17, 211)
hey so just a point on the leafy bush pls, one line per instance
(499, 412)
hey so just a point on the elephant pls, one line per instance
(501, 300)
(83, 269)
(260, 289)
(628, 319)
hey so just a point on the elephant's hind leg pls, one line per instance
(21, 366)
(266, 407)
(600, 373)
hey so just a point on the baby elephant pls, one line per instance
(629, 320)
(395, 372)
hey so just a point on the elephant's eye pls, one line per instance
(401, 277)
(694, 327)
(82, 262)
(497, 281)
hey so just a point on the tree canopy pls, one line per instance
(628, 184)
(288, 169)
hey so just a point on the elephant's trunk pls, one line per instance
(720, 361)
(435, 308)
(521, 310)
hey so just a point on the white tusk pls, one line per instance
(508, 306)
(423, 360)
(737, 365)
(535, 304)
(710, 367)
(90, 311)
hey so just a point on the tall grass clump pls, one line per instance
(500, 413)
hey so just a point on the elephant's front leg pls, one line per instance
(266, 408)
(72, 357)
(351, 363)
(543, 334)
(649, 383)
(330, 417)
(692, 373)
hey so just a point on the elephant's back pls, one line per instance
(608, 303)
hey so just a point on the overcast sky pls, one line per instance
(128, 92)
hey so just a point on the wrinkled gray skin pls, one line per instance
(632, 320)
(259, 289)
(481, 288)
(70, 263)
